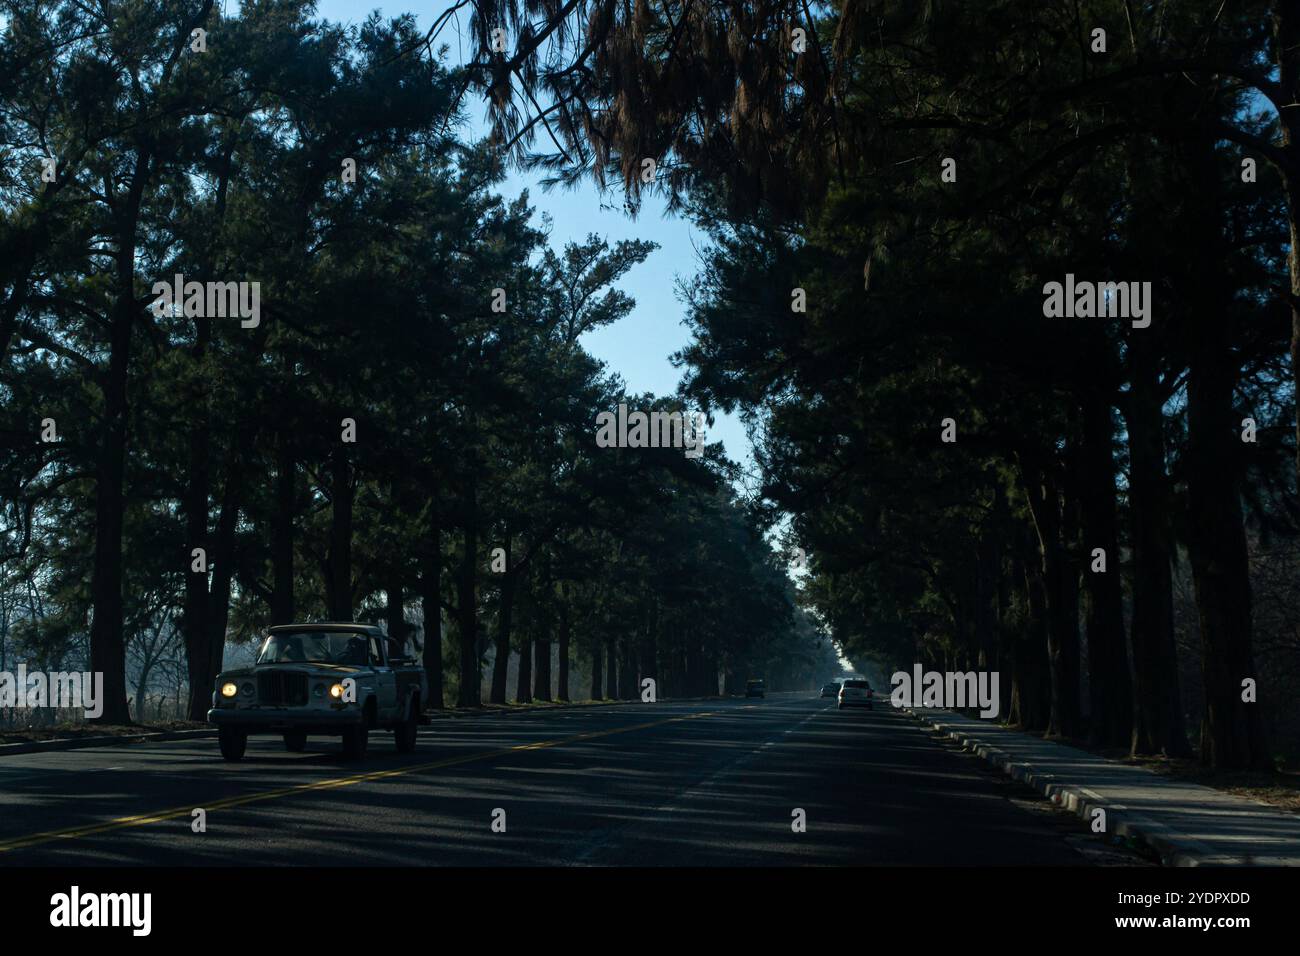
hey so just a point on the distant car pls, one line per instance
(755, 688)
(855, 693)
(831, 690)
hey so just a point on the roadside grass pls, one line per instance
(67, 730)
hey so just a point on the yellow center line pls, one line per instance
(72, 833)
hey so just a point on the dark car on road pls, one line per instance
(755, 688)
(831, 690)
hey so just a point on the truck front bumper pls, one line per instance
(274, 720)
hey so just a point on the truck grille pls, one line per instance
(276, 688)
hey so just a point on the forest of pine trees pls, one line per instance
(1103, 510)
(406, 433)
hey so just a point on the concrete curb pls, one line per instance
(79, 743)
(1173, 848)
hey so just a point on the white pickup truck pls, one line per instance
(328, 679)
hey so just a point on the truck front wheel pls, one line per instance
(233, 742)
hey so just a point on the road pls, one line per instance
(690, 783)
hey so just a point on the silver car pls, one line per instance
(855, 693)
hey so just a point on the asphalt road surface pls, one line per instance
(691, 783)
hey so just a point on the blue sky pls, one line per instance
(638, 348)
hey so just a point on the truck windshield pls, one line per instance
(315, 647)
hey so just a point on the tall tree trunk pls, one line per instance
(731, 683)
(710, 675)
(196, 621)
(505, 613)
(1286, 23)
(282, 601)
(1009, 582)
(562, 677)
(470, 693)
(431, 606)
(988, 562)
(223, 575)
(611, 669)
(107, 641)
(597, 668)
(542, 662)
(205, 655)
(1110, 692)
(1062, 624)
(1158, 716)
(694, 667)
(524, 679)
(647, 655)
(339, 585)
(1232, 731)
(1070, 586)
(1030, 668)
(626, 670)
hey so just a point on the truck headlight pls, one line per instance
(336, 691)
(228, 689)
